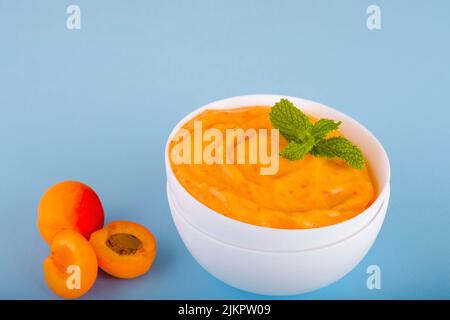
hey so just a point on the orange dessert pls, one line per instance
(308, 193)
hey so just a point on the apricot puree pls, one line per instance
(308, 193)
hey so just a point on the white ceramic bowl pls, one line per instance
(278, 261)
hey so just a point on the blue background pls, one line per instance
(97, 104)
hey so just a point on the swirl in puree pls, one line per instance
(308, 193)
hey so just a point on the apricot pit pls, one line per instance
(124, 243)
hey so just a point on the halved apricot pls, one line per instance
(124, 249)
(71, 269)
(69, 205)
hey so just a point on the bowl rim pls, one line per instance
(376, 204)
(384, 204)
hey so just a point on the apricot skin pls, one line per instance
(69, 248)
(125, 266)
(69, 205)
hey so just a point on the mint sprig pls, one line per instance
(305, 137)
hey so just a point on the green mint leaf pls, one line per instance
(323, 127)
(292, 123)
(304, 137)
(296, 151)
(340, 147)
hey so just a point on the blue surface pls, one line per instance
(97, 104)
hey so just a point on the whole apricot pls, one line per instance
(69, 205)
